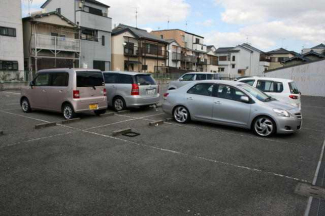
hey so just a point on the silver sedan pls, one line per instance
(232, 103)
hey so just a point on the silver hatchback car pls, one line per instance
(130, 89)
(234, 104)
(69, 91)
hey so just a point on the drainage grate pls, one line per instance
(131, 134)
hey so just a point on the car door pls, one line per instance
(58, 90)
(228, 108)
(111, 80)
(200, 101)
(185, 79)
(38, 93)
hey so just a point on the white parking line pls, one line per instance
(201, 158)
(310, 199)
(15, 93)
(36, 119)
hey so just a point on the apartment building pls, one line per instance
(242, 60)
(95, 26)
(194, 52)
(49, 42)
(212, 65)
(174, 55)
(135, 49)
(11, 36)
(278, 56)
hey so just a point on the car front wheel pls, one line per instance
(181, 114)
(25, 105)
(264, 126)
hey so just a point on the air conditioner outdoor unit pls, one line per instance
(80, 5)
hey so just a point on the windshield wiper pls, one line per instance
(269, 98)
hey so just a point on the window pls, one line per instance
(269, 86)
(42, 80)
(204, 89)
(197, 41)
(59, 79)
(293, 88)
(5, 31)
(111, 77)
(228, 92)
(209, 76)
(100, 65)
(188, 77)
(129, 48)
(94, 11)
(87, 34)
(233, 66)
(201, 76)
(220, 69)
(89, 79)
(161, 36)
(144, 80)
(223, 58)
(233, 58)
(249, 82)
(9, 65)
(125, 79)
(103, 40)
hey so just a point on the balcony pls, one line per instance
(202, 61)
(131, 52)
(200, 47)
(55, 43)
(91, 21)
(188, 58)
(160, 53)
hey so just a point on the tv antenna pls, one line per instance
(30, 2)
(136, 17)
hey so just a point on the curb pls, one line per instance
(51, 124)
(122, 131)
(70, 121)
(156, 123)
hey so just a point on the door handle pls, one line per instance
(189, 98)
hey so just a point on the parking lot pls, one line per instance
(170, 169)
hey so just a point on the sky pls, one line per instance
(265, 24)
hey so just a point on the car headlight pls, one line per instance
(281, 112)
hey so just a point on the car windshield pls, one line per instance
(145, 80)
(255, 93)
(293, 88)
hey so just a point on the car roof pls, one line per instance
(267, 78)
(66, 70)
(200, 73)
(127, 72)
(226, 82)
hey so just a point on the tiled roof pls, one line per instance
(320, 46)
(282, 51)
(139, 33)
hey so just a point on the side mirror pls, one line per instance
(244, 99)
(181, 79)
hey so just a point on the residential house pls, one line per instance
(278, 56)
(194, 52)
(174, 55)
(49, 42)
(242, 60)
(212, 65)
(303, 58)
(135, 49)
(320, 49)
(95, 29)
(11, 36)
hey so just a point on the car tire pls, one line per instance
(119, 104)
(100, 112)
(181, 115)
(68, 112)
(264, 126)
(25, 105)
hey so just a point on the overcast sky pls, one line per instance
(265, 24)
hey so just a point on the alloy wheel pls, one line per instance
(119, 104)
(67, 112)
(25, 105)
(181, 114)
(264, 126)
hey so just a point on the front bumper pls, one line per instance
(287, 125)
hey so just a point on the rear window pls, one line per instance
(209, 76)
(249, 82)
(145, 80)
(89, 79)
(293, 88)
(201, 76)
(269, 86)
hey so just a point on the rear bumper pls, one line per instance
(136, 101)
(288, 125)
(82, 105)
(167, 107)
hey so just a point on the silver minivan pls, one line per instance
(69, 91)
(130, 89)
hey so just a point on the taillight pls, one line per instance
(135, 89)
(105, 92)
(76, 94)
(293, 97)
(166, 94)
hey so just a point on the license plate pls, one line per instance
(93, 106)
(151, 92)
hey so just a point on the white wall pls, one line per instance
(11, 48)
(310, 78)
